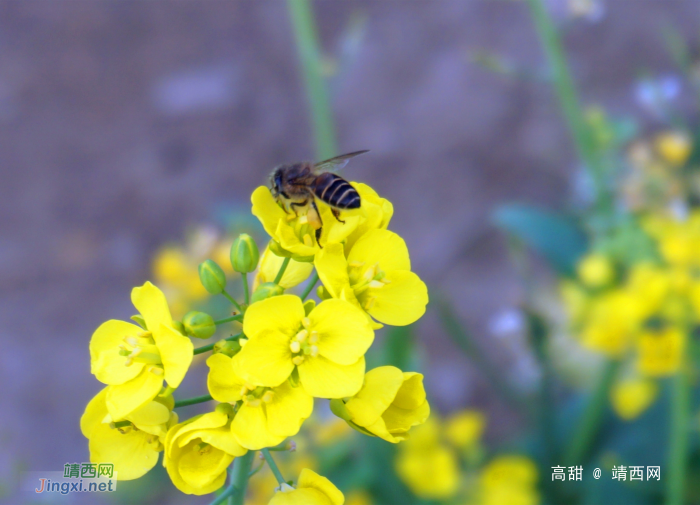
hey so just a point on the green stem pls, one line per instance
(192, 401)
(273, 466)
(244, 278)
(310, 286)
(222, 497)
(309, 51)
(678, 443)
(230, 299)
(589, 422)
(237, 317)
(566, 92)
(280, 274)
(241, 469)
(206, 348)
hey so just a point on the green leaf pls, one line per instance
(556, 237)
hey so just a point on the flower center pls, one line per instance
(140, 348)
(304, 343)
(255, 396)
(365, 280)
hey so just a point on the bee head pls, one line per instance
(276, 180)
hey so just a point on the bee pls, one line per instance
(297, 185)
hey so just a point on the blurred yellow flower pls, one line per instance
(198, 452)
(674, 147)
(464, 429)
(326, 349)
(595, 270)
(660, 352)
(509, 479)
(131, 444)
(311, 489)
(266, 416)
(376, 276)
(359, 498)
(135, 362)
(270, 264)
(389, 404)
(631, 397)
(429, 468)
(612, 320)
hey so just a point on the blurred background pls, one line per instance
(130, 127)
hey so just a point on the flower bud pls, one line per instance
(595, 270)
(227, 347)
(179, 327)
(244, 254)
(199, 324)
(266, 290)
(212, 277)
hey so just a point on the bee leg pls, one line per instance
(300, 205)
(336, 215)
(319, 230)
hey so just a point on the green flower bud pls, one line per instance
(224, 408)
(199, 324)
(228, 347)
(212, 277)
(244, 254)
(266, 290)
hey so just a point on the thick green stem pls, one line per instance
(308, 47)
(239, 480)
(246, 296)
(678, 442)
(589, 422)
(192, 401)
(206, 348)
(230, 299)
(228, 492)
(280, 274)
(237, 317)
(310, 286)
(273, 466)
(566, 92)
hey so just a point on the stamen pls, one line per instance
(145, 334)
(295, 347)
(267, 397)
(242, 341)
(156, 370)
(370, 303)
(313, 350)
(298, 360)
(356, 264)
(128, 362)
(301, 336)
(306, 322)
(131, 341)
(135, 352)
(376, 284)
(254, 403)
(385, 280)
(303, 219)
(244, 391)
(313, 338)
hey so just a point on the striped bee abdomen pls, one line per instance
(336, 191)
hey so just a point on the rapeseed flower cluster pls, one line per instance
(291, 350)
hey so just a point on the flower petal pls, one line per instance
(250, 428)
(311, 480)
(175, 352)
(200, 468)
(322, 378)
(192, 429)
(289, 408)
(289, 240)
(332, 269)
(378, 392)
(105, 362)
(381, 246)
(300, 497)
(131, 453)
(151, 414)
(400, 302)
(222, 382)
(344, 333)
(94, 413)
(265, 360)
(281, 314)
(265, 208)
(123, 399)
(296, 272)
(398, 420)
(152, 305)
(411, 395)
(223, 439)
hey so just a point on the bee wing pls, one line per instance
(334, 164)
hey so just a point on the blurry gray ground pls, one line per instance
(123, 122)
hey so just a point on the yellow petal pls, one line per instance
(123, 399)
(192, 429)
(151, 414)
(152, 305)
(378, 392)
(250, 428)
(95, 412)
(344, 333)
(400, 302)
(301, 497)
(383, 247)
(323, 378)
(201, 468)
(223, 439)
(332, 269)
(412, 393)
(265, 208)
(281, 314)
(311, 480)
(289, 408)
(289, 240)
(106, 363)
(265, 360)
(223, 384)
(131, 453)
(379, 429)
(296, 272)
(175, 352)
(398, 420)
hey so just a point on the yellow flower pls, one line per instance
(131, 444)
(267, 415)
(295, 234)
(595, 270)
(359, 498)
(377, 276)
(575, 299)
(611, 323)
(429, 468)
(464, 429)
(296, 272)
(376, 212)
(674, 147)
(326, 349)
(631, 397)
(509, 479)
(135, 362)
(660, 352)
(198, 452)
(312, 489)
(389, 404)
